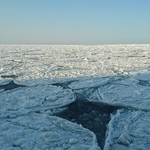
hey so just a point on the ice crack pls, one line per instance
(93, 116)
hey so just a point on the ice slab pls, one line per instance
(132, 95)
(38, 98)
(123, 91)
(88, 83)
(129, 130)
(44, 132)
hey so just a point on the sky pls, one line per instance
(74, 22)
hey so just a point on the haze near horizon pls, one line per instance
(74, 22)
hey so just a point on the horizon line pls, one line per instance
(75, 44)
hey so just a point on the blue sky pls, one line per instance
(74, 21)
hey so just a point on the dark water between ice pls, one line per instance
(10, 86)
(93, 116)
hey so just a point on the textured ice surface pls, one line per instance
(38, 82)
(43, 132)
(88, 83)
(30, 99)
(128, 91)
(129, 130)
(36, 61)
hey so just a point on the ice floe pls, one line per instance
(123, 91)
(88, 83)
(38, 98)
(44, 132)
(128, 130)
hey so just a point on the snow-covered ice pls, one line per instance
(30, 99)
(41, 131)
(129, 130)
(127, 91)
(42, 61)
(103, 88)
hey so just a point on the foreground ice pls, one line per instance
(127, 91)
(129, 130)
(19, 101)
(44, 132)
(36, 85)
(86, 101)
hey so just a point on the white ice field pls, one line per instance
(75, 97)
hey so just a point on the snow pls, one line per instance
(39, 81)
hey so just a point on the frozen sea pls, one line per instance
(61, 97)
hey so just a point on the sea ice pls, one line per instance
(26, 62)
(41, 131)
(125, 91)
(128, 130)
(23, 100)
(38, 81)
